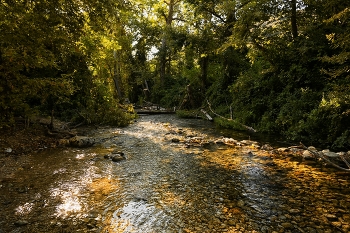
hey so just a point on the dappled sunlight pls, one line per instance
(137, 216)
(72, 195)
(171, 199)
(157, 132)
(227, 158)
(68, 194)
(153, 132)
(80, 156)
(196, 184)
(84, 155)
(60, 171)
(71, 205)
(102, 187)
(24, 209)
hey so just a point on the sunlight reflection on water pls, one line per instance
(70, 205)
(72, 193)
(165, 185)
(138, 216)
(61, 170)
(24, 209)
(80, 156)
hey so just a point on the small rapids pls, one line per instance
(170, 183)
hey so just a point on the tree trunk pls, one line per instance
(163, 55)
(204, 70)
(164, 47)
(116, 74)
(294, 19)
(51, 126)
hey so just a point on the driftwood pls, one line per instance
(245, 126)
(56, 128)
(60, 134)
(206, 114)
(326, 158)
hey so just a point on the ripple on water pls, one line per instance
(164, 187)
(138, 216)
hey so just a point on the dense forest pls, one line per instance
(279, 66)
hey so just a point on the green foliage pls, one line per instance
(229, 124)
(187, 113)
(333, 114)
(277, 68)
(343, 141)
(171, 95)
(46, 64)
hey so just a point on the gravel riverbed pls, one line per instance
(174, 175)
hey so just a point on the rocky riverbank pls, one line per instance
(22, 141)
(164, 174)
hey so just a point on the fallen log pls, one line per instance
(60, 133)
(150, 111)
(326, 158)
(244, 126)
(206, 114)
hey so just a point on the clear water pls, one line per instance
(166, 186)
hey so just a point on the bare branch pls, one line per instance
(214, 13)
(179, 19)
(320, 155)
(344, 160)
(245, 126)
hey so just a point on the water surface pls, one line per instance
(169, 186)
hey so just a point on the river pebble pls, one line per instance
(175, 177)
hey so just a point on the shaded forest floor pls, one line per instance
(20, 140)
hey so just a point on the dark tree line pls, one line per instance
(280, 66)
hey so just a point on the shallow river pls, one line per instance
(169, 183)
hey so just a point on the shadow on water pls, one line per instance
(273, 140)
(211, 129)
(198, 190)
(167, 186)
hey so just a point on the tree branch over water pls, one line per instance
(326, 158)
(245, 126)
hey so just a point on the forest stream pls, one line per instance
(170, 181)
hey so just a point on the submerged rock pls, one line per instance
(118, 152)
(77, 141)
(8, 150)
(81, 141)
(240, 203)
(115, 156)
(118, 158)
(63, 142)
(176, 140)
(267, 147)
(20, 223)
(294, 211)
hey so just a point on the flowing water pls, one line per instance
(169, 183)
